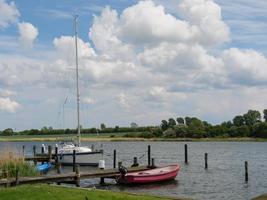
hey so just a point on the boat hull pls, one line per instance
(150, 176)
(82, 158)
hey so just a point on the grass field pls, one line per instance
(38, 192)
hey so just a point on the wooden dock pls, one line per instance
(73, 177)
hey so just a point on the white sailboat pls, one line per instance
(84, 154)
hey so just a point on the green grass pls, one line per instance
(38, 192)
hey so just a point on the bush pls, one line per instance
(169, 133)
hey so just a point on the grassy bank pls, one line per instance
(33, 192)
(119, 137)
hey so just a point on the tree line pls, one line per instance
(250, 124)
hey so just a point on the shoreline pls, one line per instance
(45, 138)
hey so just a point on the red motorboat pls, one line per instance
(150, 176)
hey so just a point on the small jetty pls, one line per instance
(72, 177)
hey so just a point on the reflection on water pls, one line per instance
(224, 179)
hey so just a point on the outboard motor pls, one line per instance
(123, 170)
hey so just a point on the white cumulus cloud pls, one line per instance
(7, 105)
(28, 33)
(8, 13)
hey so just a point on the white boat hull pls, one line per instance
(82, 159)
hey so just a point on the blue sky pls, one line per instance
(140, 61)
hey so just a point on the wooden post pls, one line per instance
(58, 167)
(17, 177)
(114, 158)
(77, 175)
(34, 153)
(34, 150)
(93, 147)
(23, 150)
(42, 151)
(148, 155)
(102, 180)
(135, 163)
(246, 171)
(49, 153)
(185, 154)
(206, 160)
(73, 160)
(153, 163)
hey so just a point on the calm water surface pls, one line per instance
(224, 178)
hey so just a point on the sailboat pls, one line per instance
(84, 154)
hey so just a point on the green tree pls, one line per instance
(8, 131)
(180, 120)
(134, 125)
(172, 122)
(265, 115)
(102, 126)
(164, 125)
(238, 120)
(252, 117)
(260, 130)
(188, 121)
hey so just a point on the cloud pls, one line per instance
(8, 105)
(6, 93)
(28, 33)
(247, 67)
(88, 100)
(122, 101)
(206, 16)
(8, 13)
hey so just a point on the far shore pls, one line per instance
(87, 138)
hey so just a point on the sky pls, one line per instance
(139, 61)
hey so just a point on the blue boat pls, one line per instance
(43, 168)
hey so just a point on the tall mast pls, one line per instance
(77, 81)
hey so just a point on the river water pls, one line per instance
(224, 178)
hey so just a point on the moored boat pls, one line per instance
(150, 176)
(44, 168)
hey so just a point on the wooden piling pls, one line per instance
(206, 160)
(114, 158)
(148, 155)
(153, 163)
(42, 151)
(73, 160)
(77, 175)
(135, 163)
(246, 171)
(50, 153)
(58, 166)
(23, 150)
(34, 150)
(102, 181)
(34, 153)
(185, 154)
